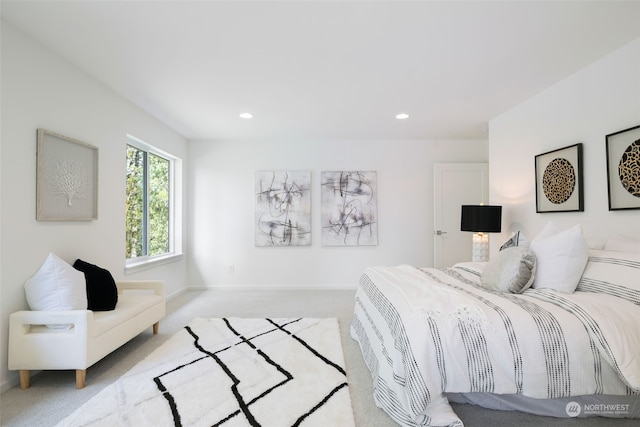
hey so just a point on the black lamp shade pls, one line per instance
(481, 218)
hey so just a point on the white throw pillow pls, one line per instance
(56, 286)
(511, 270)
(549, 230)
(622, 244)
(561, 257)
(614, 273)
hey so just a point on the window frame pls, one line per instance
(143, 262)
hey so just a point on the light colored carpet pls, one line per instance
(278, 372)
(53, 396)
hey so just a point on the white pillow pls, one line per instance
(622, 244)
(511, 270)
(561, 257)
(56, 286)
(549, 230)
(614, 273)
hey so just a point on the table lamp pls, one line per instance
(481, 219)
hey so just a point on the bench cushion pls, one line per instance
(129, 305)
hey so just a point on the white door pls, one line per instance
(455, 184)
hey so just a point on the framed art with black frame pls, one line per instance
(559, 183)
(623, 169)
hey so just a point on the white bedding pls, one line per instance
(424, 332)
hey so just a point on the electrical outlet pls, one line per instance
(232, 268)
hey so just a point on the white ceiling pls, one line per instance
(328, 69)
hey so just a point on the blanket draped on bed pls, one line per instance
(424, 332)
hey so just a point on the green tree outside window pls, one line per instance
(147, 204)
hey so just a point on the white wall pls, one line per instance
(221, 208)
(41, 91)
(600, 99)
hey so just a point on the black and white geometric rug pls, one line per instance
(232, 372)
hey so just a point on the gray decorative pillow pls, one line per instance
(510, 270)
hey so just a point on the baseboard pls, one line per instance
(13, 382)
(7, 385)
(274, 288)
(176, 293)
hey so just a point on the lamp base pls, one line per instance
(480, 247)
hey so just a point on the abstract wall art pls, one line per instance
(623, 169)
(283, 208)
(67, 179)
(349, 208)
(559, 180)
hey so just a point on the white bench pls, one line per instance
(91, 336)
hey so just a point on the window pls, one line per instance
(149, 203)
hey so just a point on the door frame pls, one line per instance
(438, 170)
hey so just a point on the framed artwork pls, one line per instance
(283, 208)
(67, 179)
(349, 208)
(623, 169)
(559, 184)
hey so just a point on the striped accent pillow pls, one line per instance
(613, 273)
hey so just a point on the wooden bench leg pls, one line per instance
(155, 328)
(81, 374)
(25, 377)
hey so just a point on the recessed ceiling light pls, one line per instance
(246, 115)
(402, 116)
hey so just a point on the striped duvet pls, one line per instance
(424, 332)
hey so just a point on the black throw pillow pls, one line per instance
(102, 293)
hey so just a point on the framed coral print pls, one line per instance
(623, 169)
(559, 180)
(67, 179)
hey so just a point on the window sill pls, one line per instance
(134, 267)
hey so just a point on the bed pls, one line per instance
(431, 336)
